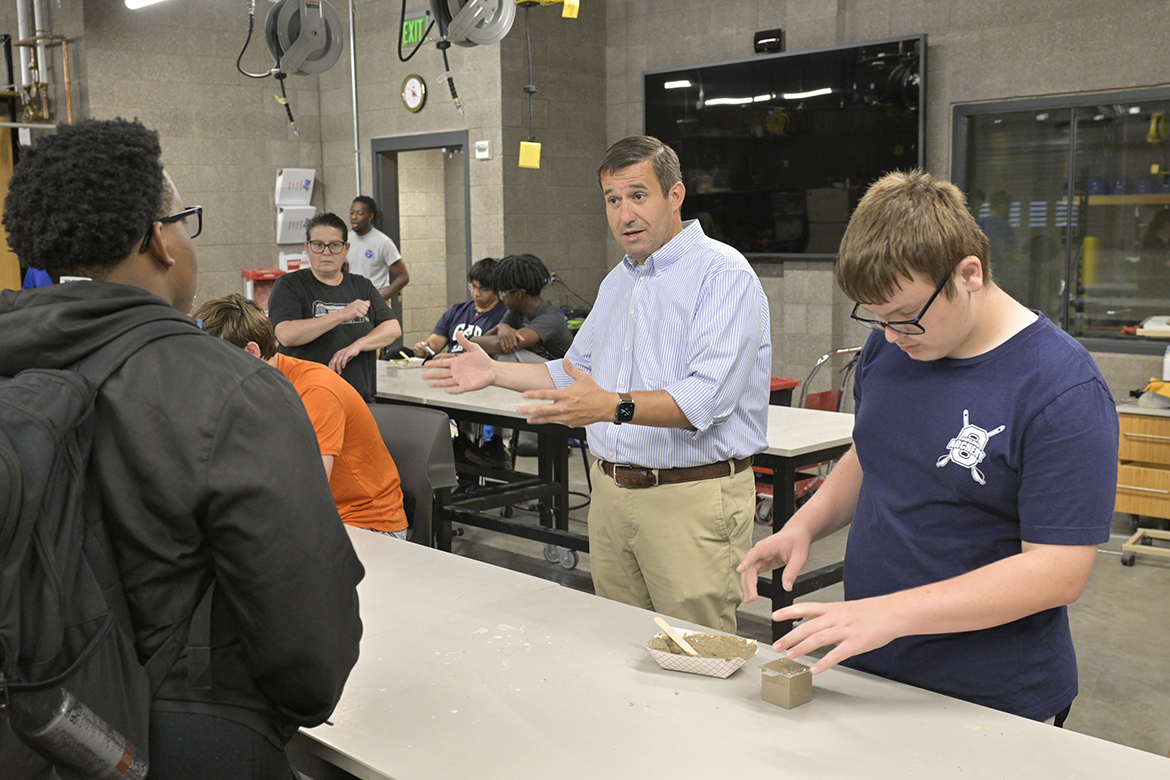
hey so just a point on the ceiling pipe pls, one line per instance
(357, 151)
(41, 27)
(24, 30)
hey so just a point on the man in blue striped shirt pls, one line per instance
(670, 374)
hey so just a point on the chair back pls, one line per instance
(831, 400)
(419, 440)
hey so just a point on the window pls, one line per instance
(1074, 195)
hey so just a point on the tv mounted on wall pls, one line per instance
(777, 150)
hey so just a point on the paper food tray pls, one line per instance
(392, 367)
(711, 667)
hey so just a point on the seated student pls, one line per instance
(362, 475)
(326, 314)
(471, 318)
(532, 331)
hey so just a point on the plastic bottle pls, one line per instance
(1166, 366)
(70, 734)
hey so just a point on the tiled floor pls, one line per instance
(1121, 625)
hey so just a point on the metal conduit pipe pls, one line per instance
(357, 155)
(41, 27)
(24, 30)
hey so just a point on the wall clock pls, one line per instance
(414, 93)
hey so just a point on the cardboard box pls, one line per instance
(786, 683)
(294, 186)
(293, 261)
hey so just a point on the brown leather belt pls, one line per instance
(638, 477)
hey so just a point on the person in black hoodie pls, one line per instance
(207, 464)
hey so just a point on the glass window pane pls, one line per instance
(1122, 248)
(1017, 165)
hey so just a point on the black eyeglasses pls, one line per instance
(194, 226)
(322, 248)
(909, 327)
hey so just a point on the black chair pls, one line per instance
(419, 440)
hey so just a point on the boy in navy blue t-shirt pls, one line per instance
(981, 479)
(471, 318)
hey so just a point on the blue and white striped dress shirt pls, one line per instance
(691, 320)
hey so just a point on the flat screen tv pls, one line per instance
(777, 150)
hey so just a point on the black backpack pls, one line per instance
(71, 683)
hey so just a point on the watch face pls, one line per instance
(625, 412)
(414, 93)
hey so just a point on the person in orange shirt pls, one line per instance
(361, 472)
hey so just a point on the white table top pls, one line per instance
(506, 676)
(791, 431)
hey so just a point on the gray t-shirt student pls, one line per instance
(548, 323)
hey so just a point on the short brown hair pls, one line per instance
(908, 222)
(640, 148)
(238, 320)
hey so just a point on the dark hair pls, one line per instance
(368, 202)
(238, 320)
(520, 272)
(640, 148)
(482, 271)
(84, 197)
(327, 219)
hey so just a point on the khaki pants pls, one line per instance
(673, 548)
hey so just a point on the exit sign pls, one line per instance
(414, 28)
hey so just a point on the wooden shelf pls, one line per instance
(1130, 200)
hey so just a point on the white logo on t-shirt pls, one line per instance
(321, 308)
(469, 330)
(966, 449)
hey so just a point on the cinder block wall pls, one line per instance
(422, 219)
(556, 212)
(173, 66)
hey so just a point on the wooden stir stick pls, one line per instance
(676, 636)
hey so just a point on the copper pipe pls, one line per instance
(65, 54)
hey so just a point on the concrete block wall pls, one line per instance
(381, 114)
(556, 212)
(423, 222)
(223, 135)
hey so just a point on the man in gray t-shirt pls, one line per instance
(533, 330)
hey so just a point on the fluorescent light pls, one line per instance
(1042, 117)
(135, 4)
(727, 101)
(811, 94)
(1135, 109)
(680, 84)
(762, 98)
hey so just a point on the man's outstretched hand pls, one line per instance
(472, 369)
(577, 405)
